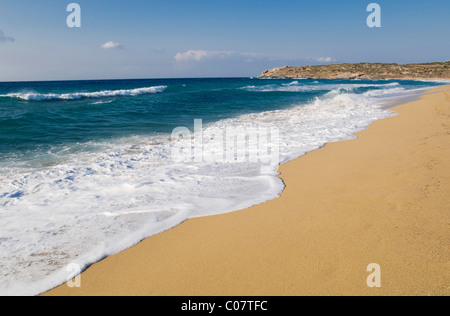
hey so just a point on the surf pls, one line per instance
(34, 96)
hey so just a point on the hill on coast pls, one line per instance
(438, 70)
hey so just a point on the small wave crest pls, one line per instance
(34, 96)
(295, 86)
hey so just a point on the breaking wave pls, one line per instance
(33, 96)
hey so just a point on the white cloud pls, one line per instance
(4, 38)
(112, 45)
(195, 56)
(325, 59)
(198, 55)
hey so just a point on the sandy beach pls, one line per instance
(380, 198)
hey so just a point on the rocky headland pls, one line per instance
(429, 71)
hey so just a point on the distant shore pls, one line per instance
(381, 198)
(429, 71)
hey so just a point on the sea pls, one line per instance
(91, 168)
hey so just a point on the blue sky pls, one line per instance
(211, 38)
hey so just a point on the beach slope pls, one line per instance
(381, 198)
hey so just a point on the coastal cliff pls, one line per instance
(362, 71)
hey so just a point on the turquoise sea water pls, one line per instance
(86, 168)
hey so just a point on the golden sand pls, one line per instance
(381, 198)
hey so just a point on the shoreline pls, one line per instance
(316, 247)
(411, 98)
(440, 80)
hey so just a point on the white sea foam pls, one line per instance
(33, 96)
(102, 102)
(93, 206)
(295, 86)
